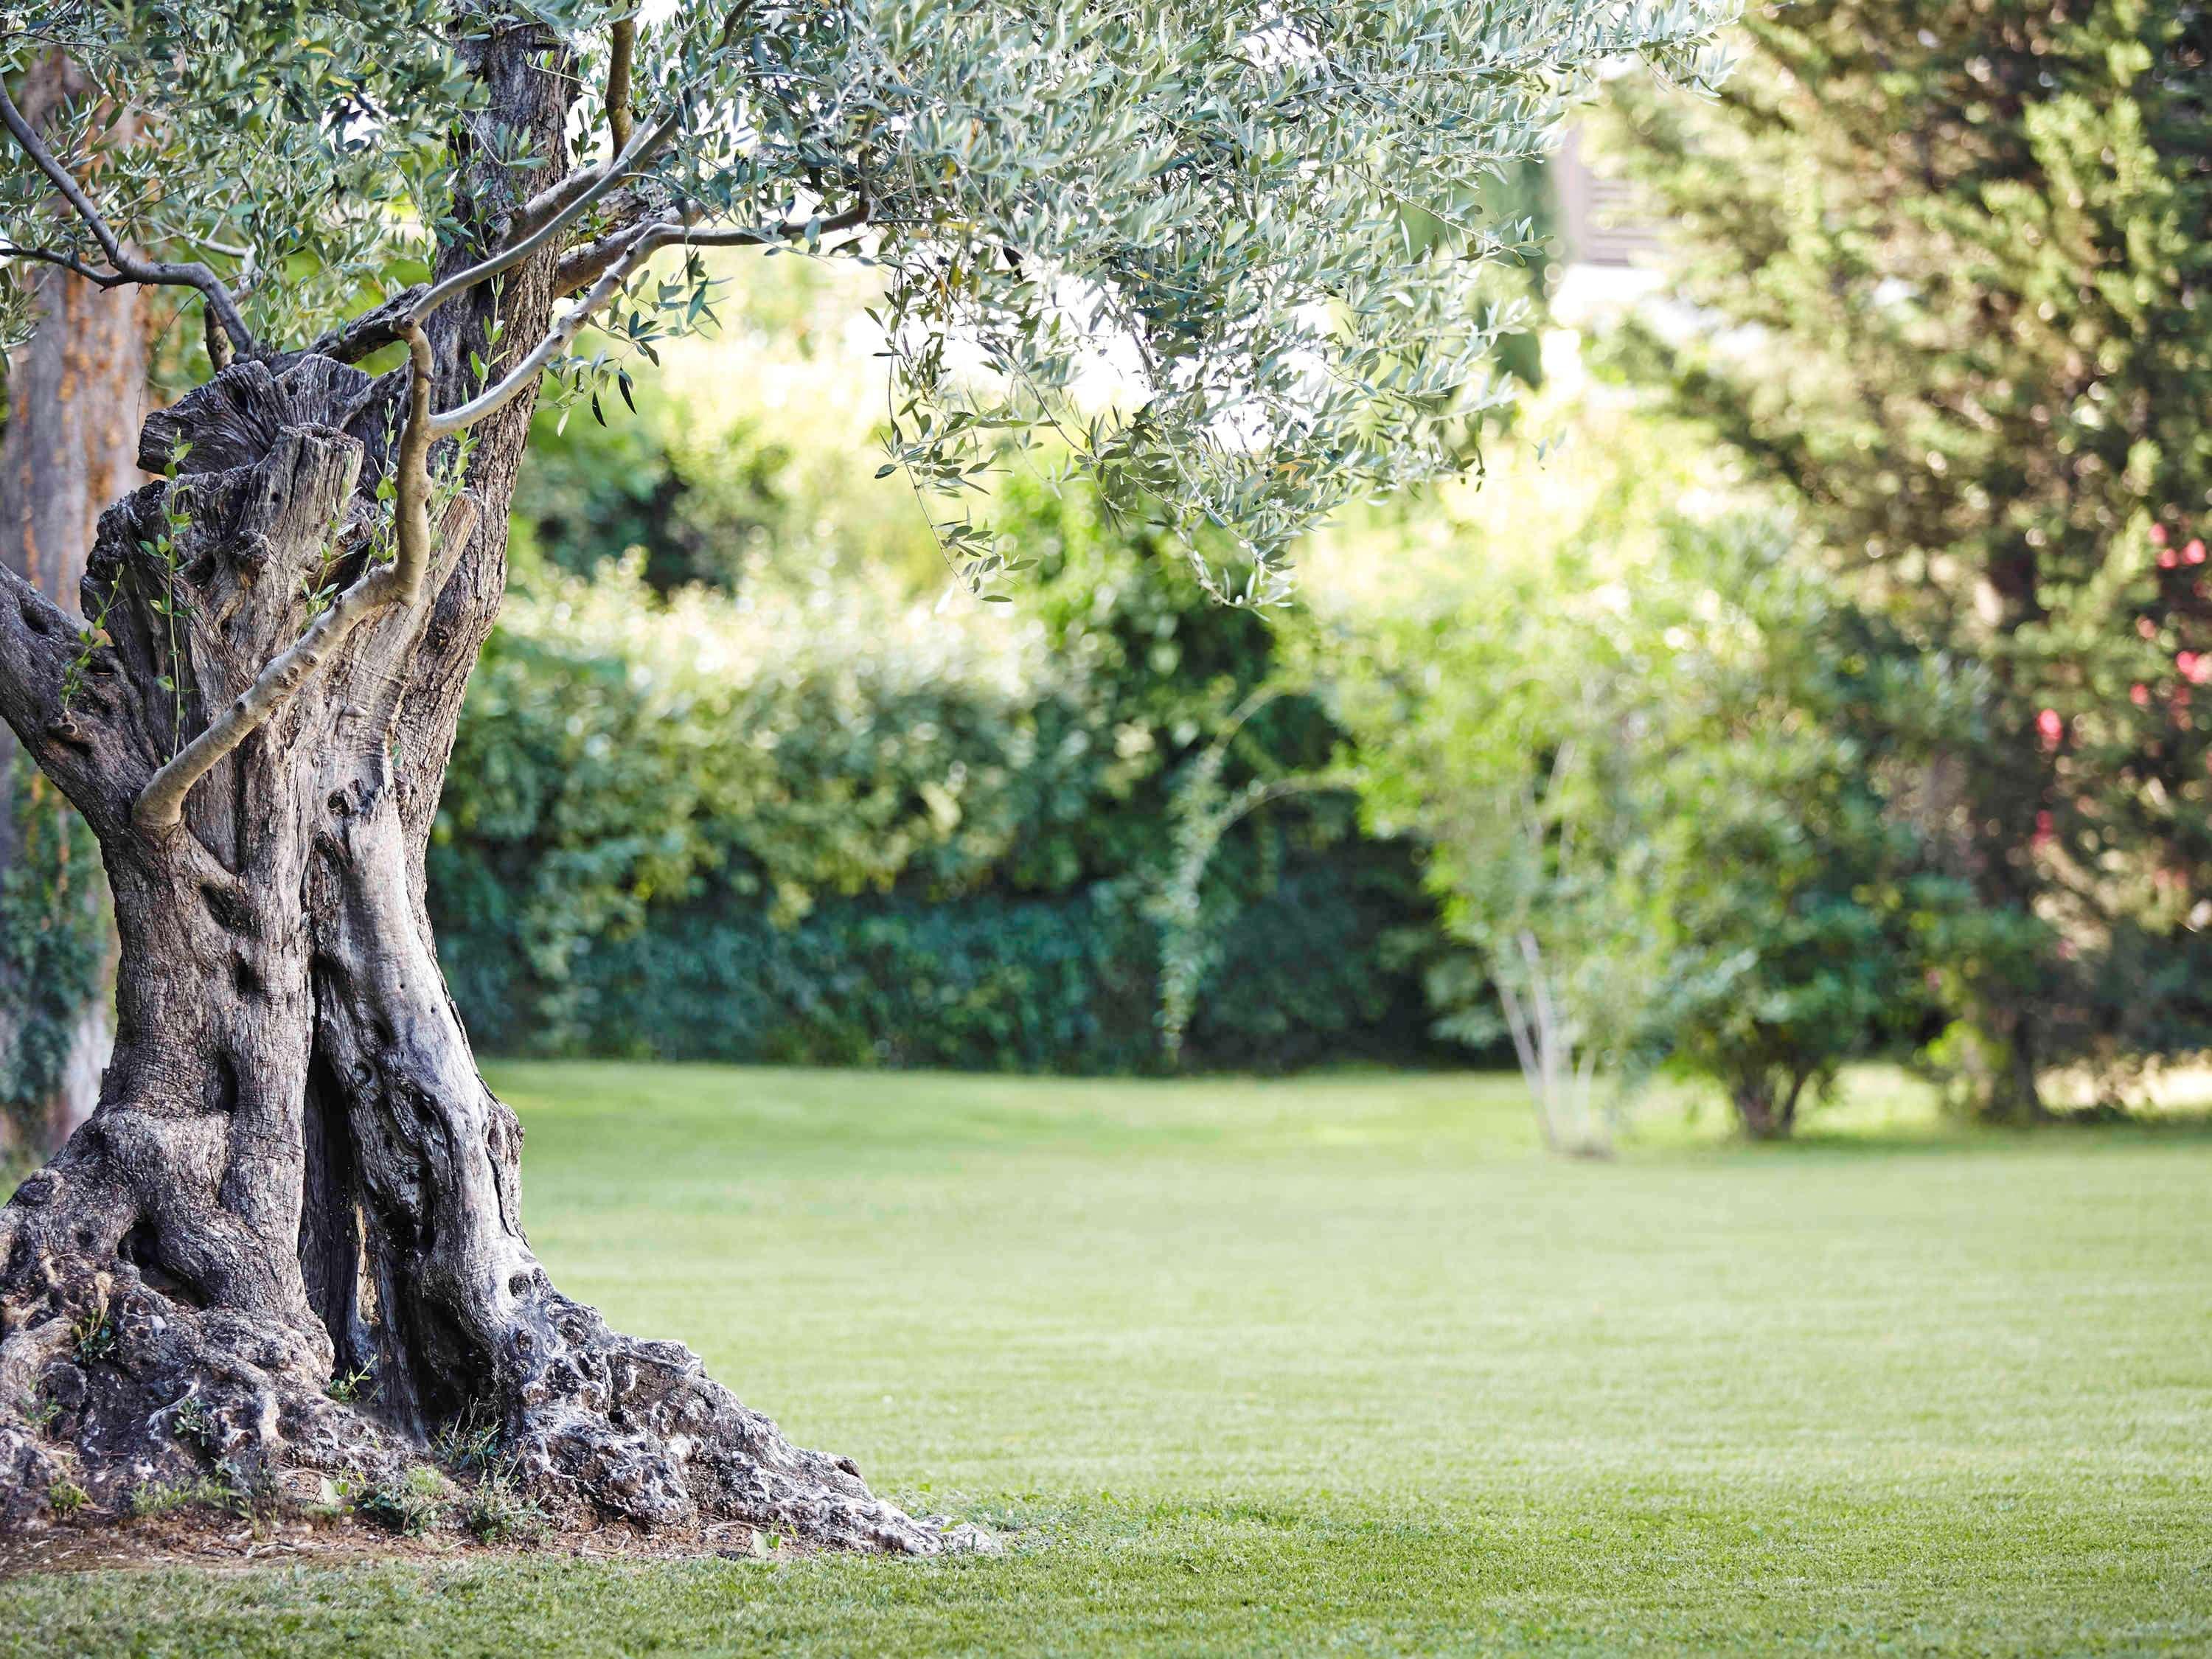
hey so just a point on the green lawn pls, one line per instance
(1344, 1365)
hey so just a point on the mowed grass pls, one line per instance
(1345, 1365)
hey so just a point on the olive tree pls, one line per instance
(1213, 250)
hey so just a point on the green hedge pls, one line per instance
(832, 827)
(1312, 973)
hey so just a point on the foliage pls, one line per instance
(39, 1412)
(158, 1497)
(738, 463)
(67, 1497)
(1810, 910)
(833, 826)
(1953, 262)
(1492, 731)
(786, 749)
(1203, 811)
(1227, 257)
(192, 1423)
(411, 1502)
(993, 982)
(493, 1512)
(1205, 207)
(53, 947)
(1672, 804)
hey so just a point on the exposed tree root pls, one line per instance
(118, 1400)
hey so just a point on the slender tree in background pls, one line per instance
(77, 391)
(1962, 248)
(294, 1173)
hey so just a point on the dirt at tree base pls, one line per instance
(224, 1543)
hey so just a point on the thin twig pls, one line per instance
(128, 266)
(596, 182)
(579, 266)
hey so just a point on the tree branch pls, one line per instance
(556, 202)
(621, 255)
(128, 266)
(162, 804)
(523, 375)
(568, 200)
(581, 265)
(79, 748)
(622, 46)
(67, 262)
(536, 223)
(372, 330)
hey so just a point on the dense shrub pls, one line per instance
(986, 982)
(1952, 258)
(831, 826)
(1678, 806)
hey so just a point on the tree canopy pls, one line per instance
(1221, 250)
(1959, 251)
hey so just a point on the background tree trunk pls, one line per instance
(76, 392)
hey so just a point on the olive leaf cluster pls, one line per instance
(1222, 256)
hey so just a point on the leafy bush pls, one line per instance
(836, 826)
(1678, 806)
(1063, 983)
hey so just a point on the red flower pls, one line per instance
(2158, 535)
(2195, 669)
(2051, 726)
(2043, 831)
(2139, 695)
(2166, 560)
(2146, 627)
(2194, 553)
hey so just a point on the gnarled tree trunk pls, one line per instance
(294, 1173)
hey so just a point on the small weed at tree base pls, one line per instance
(410, 1504)
(496, 1513)
(67, 1497)
(94, 1335)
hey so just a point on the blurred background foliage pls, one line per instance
(1803, 672)
(742, 778)
(1806, 670)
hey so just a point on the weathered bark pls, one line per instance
(77, 393)
(294, 1173)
